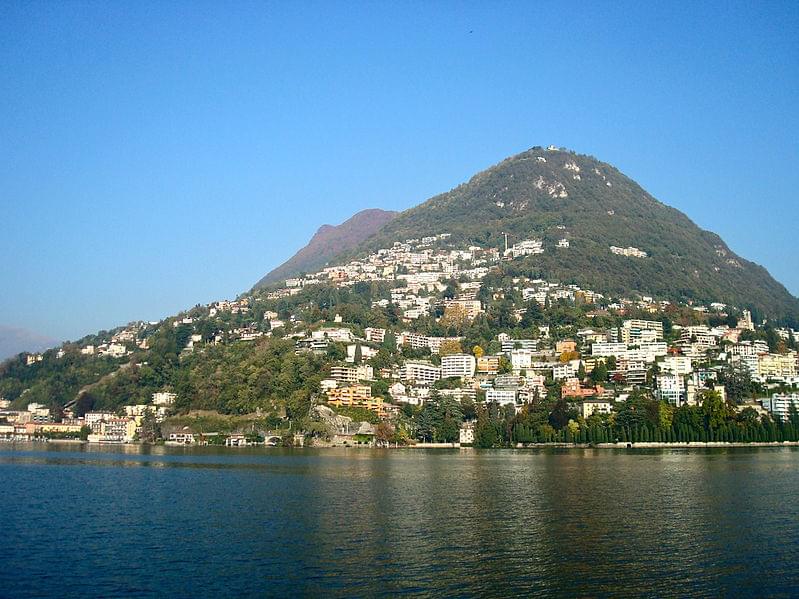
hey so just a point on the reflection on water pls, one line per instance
(152, 521)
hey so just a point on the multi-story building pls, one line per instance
(113, 430)
(355, 396)
(671, 388)
(488, 364)
(648, 351)
(779, 404)
(509, 345)
(420, 372)
(628, 251)
(466, 435)
(375, 335)
(572, 388)
(508, 381)
(595, 406)
(698, 335)
(676, 365)
(459, 394)
(338, 334)
(606, 349)
(457, 365)
(567, 345)
(164, 398)
(632, 331)
(521, 359)
(471, 308)
(90, 418)
(344, 374)
(527, 247)
(776, 366)
(501, 396)
(564, 371)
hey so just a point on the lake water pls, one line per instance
(129, 521)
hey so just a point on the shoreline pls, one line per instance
(619, 445)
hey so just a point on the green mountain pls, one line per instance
(252, 356)
(328, 242)
(556, 194)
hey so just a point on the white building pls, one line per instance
(375, 335)
(460, 365)
(340, 335)
(91, 418)
(466, 436)
(164, 398)
(527, 247)
(564, 371)
(671, 388)
(636, 330)
(676, 365)
(501, 396)
(631, 251)
(779, 404)
(521, 359)
(508, 345)
(595, 406)
(420, 372)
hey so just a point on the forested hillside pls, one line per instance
(556, 194)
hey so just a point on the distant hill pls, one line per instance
(556, 194)
(330, 241)
(14, 341)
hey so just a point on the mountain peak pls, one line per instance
(554, 194)
(329, 241)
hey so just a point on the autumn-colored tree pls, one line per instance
(568, 356)
(478, 351)
(455, 317)
(384, 432)
(450, 346)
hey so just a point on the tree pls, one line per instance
(389, 342)
(573, 428)
(336, 351)
(85, 403)
(487, 430)
(568, 356)
(358, 357)
(450, 346)
(600, 373)
(714, 409)
(560, 415)
(468, 408)
(737, 382)
(456, 317)
(505, 366)
(477, 351)
(665, 415)
(636, 411)
(384, 432)
(772, 338)
(150, 428)
(428, 422)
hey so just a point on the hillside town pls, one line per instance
(435, 293)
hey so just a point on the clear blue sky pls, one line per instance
(155, 155)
